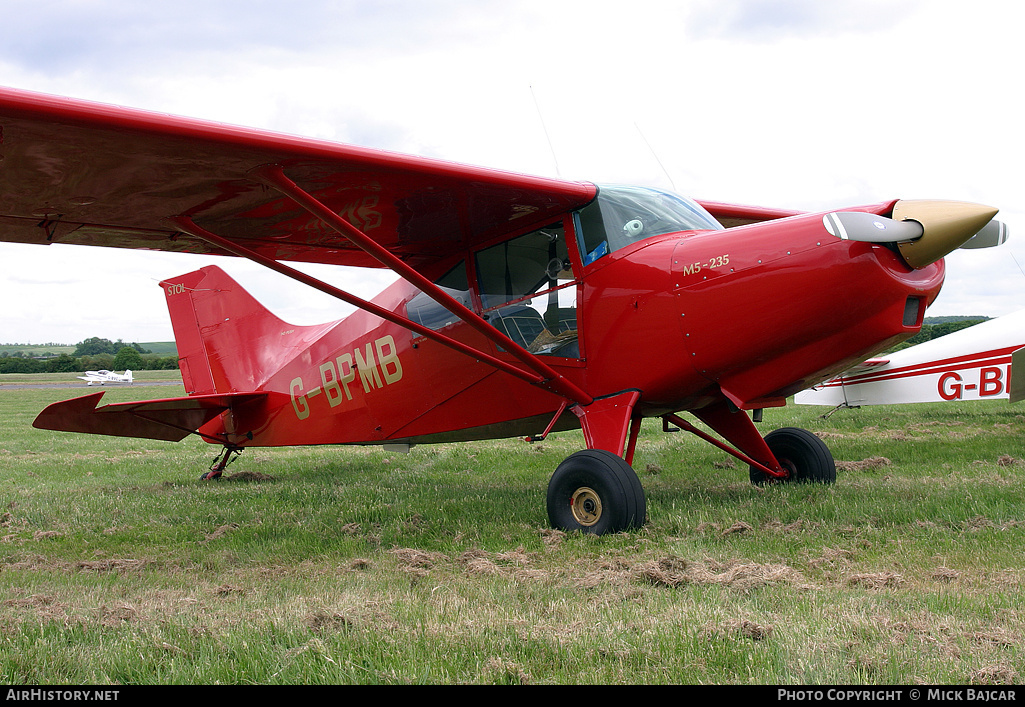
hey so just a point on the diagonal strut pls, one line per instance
(274, 176)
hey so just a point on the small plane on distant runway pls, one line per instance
(105, 376)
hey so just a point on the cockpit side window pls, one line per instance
(591, 227)
(624, 215)
(528, 291)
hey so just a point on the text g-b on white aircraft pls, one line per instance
(524, 305)
(974, 363)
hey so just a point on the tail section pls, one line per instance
(227, 341)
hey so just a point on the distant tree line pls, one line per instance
(93, 354)
(941, 326)
(95, 346)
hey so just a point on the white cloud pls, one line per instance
(797, 104)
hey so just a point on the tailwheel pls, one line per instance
(596, 492)
(802, 454)
(225, 457)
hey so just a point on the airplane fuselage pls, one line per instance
(756, 313)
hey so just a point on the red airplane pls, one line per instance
(524, 306)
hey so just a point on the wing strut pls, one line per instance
(202, 234)
(543, 375)
(274, 176)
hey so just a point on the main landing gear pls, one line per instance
(597, 491)
(805, 457)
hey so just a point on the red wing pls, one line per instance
(171, 419)
(86, 173)
(730, 215)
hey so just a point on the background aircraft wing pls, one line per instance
(92, 174)
(974, 363)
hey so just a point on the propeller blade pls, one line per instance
(992, 234)
(870, 228)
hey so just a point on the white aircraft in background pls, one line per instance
(970, 364)
(102, 377)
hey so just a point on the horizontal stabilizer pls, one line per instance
(171, 419)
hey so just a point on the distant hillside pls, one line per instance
(935, 327)
(163, 348)
(159, 348)
(947, 320)
(31, 350)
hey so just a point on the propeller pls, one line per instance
(869, 228)
(992, 234)
(924, 231)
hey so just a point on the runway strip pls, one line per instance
(139, 384)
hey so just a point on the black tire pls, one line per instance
(595, 492)
(800, 452)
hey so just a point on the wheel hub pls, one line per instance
(789, 467)
(586, 506)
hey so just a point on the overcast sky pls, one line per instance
(795, 103)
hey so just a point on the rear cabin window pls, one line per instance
(422, 309)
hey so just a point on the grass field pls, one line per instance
(353, 565)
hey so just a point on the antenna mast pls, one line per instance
(545, 128)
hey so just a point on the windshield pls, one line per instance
(622, 215)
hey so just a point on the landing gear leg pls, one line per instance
(222, 460)
(596, 490)
(789, 454)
